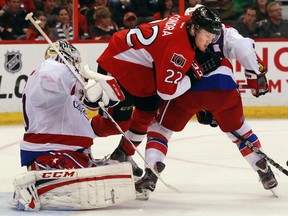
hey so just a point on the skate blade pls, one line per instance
(274, 192)
(144, 195)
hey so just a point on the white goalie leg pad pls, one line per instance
(25, 194)
(89, 188)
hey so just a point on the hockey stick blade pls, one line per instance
(259, 152)
(102, 106)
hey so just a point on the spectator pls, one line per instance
(275, 27)
(29, 5)
(261, 9)
(63, 29)
(2, 3)
(118, 9)
(84, 6)
(91, 11)
(82, 22)
(33, 33)
(12, 20)
(5, 34)
(226, 8)
(144, 9)
(103, 27)
(50, 9)
(130, 20)
(164, 9)
(246, 23)
(193, 3)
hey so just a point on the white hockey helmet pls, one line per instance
(70, 53)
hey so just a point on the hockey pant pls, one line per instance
(226, 107)
(63, 160)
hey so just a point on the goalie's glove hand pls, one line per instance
(94, 94)
(206, 118)
(257, 81)
(109, 84)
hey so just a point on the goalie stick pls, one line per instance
(102, 106)
(259, 152)
(29, 16)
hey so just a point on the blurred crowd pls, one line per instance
(99, 19)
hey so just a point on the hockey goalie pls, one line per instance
(62, 174)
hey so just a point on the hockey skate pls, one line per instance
(148, 182)
(121, 156)
(267, 177)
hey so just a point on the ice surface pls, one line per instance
(202, 163)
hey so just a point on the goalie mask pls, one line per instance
(70, 53)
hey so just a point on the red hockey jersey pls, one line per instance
(152, 58)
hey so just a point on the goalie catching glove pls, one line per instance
(257, 81)
(100, 88)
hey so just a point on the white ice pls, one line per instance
(202, 163)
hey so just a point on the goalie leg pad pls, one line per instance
(89, 188)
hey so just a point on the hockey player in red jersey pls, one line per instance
(216, 100)
(157, 60)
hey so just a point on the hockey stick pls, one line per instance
(70, 67)
(259, 152)
(102, 106)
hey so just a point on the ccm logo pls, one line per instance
(59, 174)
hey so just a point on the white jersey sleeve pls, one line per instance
(236, 47)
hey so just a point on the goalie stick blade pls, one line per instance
(144, 196)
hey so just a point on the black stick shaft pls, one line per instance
(259, 152)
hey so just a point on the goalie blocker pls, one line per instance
(74, 189)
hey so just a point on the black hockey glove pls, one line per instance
(208, 60)
(206, 118)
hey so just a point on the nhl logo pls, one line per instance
(13, 61)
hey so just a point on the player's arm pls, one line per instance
(243, 50)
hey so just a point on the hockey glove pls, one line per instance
(94, 94)
(206, 118)
(108, 83)
(257, 82)
(195, 72)
(204, 63)
(208, 60)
